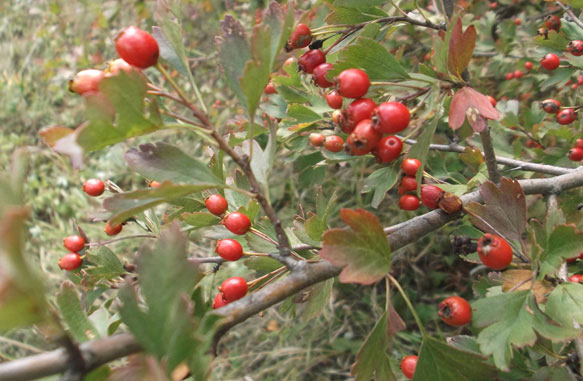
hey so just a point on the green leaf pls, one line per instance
(372, 360)
(107, 265)
(262, 265)
(319, 299)
(363, 251)
(420, 150)
(441, 362)
(315, 227)
(358, 3)
(171, 49)
(346, 15)
(302, 114)
(381, 181)
(80, 328)
(200, 219)
(565, 241)
(565, 304)
(555, 40)
(553, 373)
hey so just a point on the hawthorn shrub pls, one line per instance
(458, 114)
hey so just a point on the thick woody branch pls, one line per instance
(490, 155)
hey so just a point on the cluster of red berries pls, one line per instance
(516, 74)
(562, 116)
(231, 289)
(72, 261)
(94, 188)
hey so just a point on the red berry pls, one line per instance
(300, 38)
(552, 22)
(229, 249)
(310, 60)
(334, 100)
(154, 184)
(216, 204)
(363, 139)
(492, 100)
(237, 223)
(409, 202)
(114, 67)
(408, 365)
(317, 139)
(86, 81)
(358, 110)
(410, 166)
(509, 76)
(137, 47)
(455, 311)
(234, 288)
(219, 301)
(517, 21)
(550, 61)
(574, 86)
(70, 262)
(517, 74)
(320, 75)
(409, 183)
(575, 47)
(352, 83)
(94, 187)
(578, 143)
(574, 259)
(575, 154)
(494, 251)
(338, 117)
(74, 243)
(391, 117)
(269, 89)
(388, 149)
(576, 278)
(552, 106)
(113, 230)
(430, 196)
(334, 143)
(528, 65)
(566, 116)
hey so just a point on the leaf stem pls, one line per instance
(409, 304)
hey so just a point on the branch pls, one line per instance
(489, 155)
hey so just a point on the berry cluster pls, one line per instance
(94, 188)
(72, 261)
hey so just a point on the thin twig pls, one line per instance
(103, 243)
(489, 155)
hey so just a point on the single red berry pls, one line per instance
(410, 166)
(363, 139)
(492, 100)
(494, 251)
(575, 154)
(352, 83)
(74, 243)
(409, 202)
(216, 204)
(300, 38)
(528, 65)
(552, 106)
(229, 249)
(219, 301)
(550, 61)
(237, 223)
(317, 139)
(409, 183)
(574, 86)
(574, 259)
(553, 22)
(113, 230)
(310, 60)
(509, 76)
(359, 109)
(575, 47)
(580, 80)
(455, 311)
(334, 100)
(114, 67)
(578, 143)
(391, 117)
(334, 143)
(430, 196)
(70, 262)
(493, 4)
(270, 89)
(388, 149)
(86, 81)
(320, 75)
(234, 288)
(137, 47)
(94, 187)
(517, 74)
(338, 117)
(408, 365)
(517, 21)
(576, 278)
(566, 116)
(154, 184)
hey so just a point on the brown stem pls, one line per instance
(490, 155)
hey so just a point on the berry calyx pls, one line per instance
(550, 61)
(94, 187)
(300, 38)
(455, 311)
(494, 251)
(316, 139)
(388, 149)
(229, 249)
(410, 166)
(137, 47)
(86, 81)
(408, 365)
(310, 60)
(352, 83)
(358, 110)
(74, 243)
(113, 230)
(430, 196)
(334, 100)
(450, 203)
(237, 223)
(566, 116)
(553, 22)
(551, 106)
(391, 117)
(320, 75)
(216, 204)
(408, 202)
(70, 262)
(363, 139)
(234, 288)
(334, 143)
(528, 65)
(575, 154)
(219, 301)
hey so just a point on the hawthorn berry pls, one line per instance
(233, 288)
(334, 100)
(528, 65)
(74, 243)
(334, 143)
(216, 204)
(576, 278)
(566, 116)
(237, 223)
(316, 139)
(137, 47)
(229, 249)
(391, 117)
(113, 230)
(363, 139)
(154, 184)
(408, 202)
(409, 183)
(430, 195)
(310, 60)
(70, 262)
(450, 203)
(575, 154)
(550, 61)
(358, 110)
(319, 75)
(410, 166)
(517, 21)
(553, 22)
(94, 187)
(388, 149)
(494, 251)
(219, 301)
(300, 38)
(575, 47)
(509, 76)
(114, 67)
(551, 106)
(517, 74)
(492, 100)
(455, 311)
(574, 259)
(578, 143)
(86, 81)
(269, 89)
(352, 83)
(408, 365)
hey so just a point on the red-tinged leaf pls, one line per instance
(476, 105)
(461, 48)
(52, 134)
(364, 250)
(394, 321)
(457, 110)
